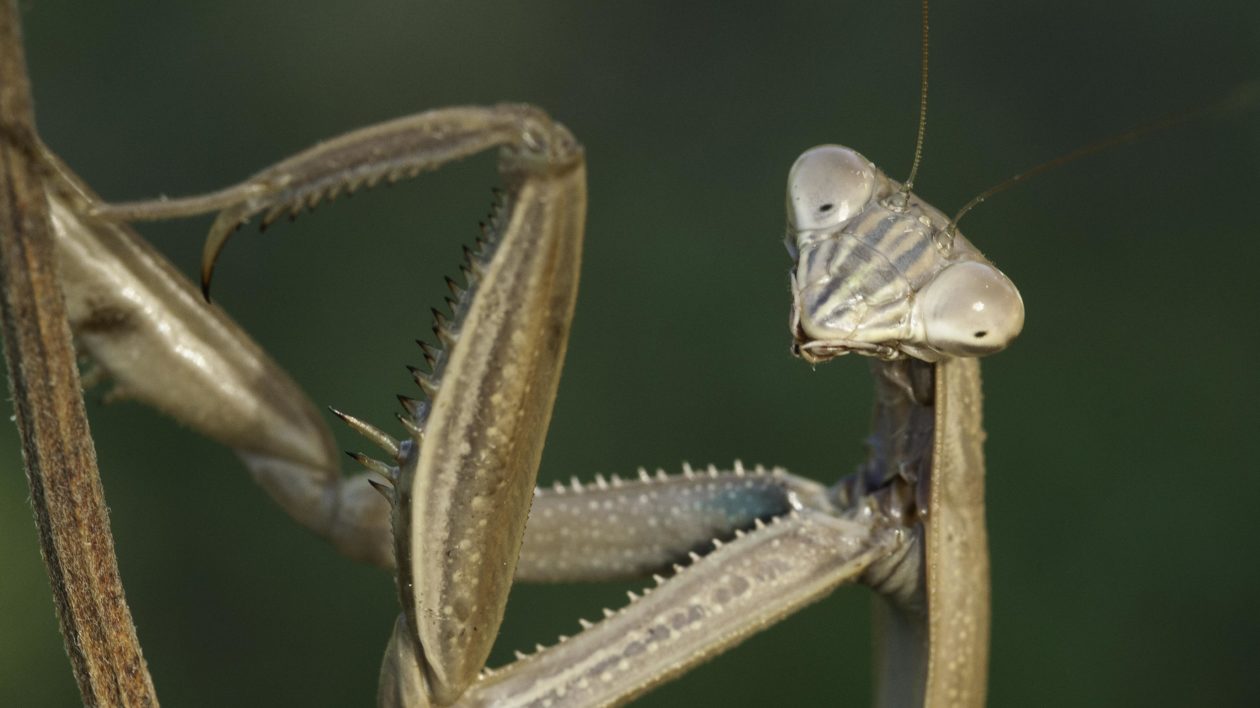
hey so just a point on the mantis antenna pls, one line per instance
(1243, 98)
(923, 94)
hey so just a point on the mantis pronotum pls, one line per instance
(647, 416)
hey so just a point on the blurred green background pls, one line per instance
(1123, 446)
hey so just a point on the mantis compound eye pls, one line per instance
(970, 309)
(827, 186)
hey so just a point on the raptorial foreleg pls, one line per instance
(463, 482)
(720, 599)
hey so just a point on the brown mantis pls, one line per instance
(615, 462)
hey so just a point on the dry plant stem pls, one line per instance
(69, 506)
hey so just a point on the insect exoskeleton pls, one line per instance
(881, 272)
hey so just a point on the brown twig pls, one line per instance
(66, 494)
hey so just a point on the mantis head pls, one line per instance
(880, 272)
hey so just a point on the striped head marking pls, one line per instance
(877, 274)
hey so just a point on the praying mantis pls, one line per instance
(663, 336)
